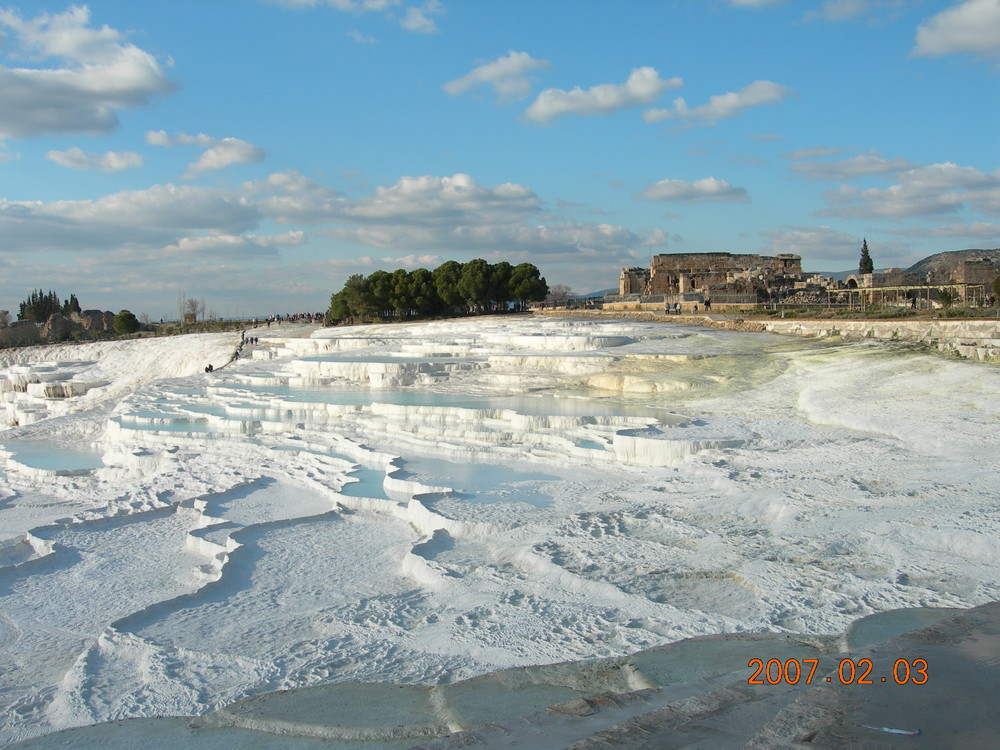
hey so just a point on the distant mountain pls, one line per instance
(942, 264)
(599, 293)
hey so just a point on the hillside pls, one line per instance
(942, 264)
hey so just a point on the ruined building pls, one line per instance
(682, 273)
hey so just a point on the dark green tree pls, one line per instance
(39, 306)
(446, 278)
(125, 323)
(474, 285)
(527, 285)
(380, 287)
(402, 302)
(423, 295)
(500, 274)
(71, 305)
(866, 265)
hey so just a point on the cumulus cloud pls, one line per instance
(848, 169)
(927, 191)
(219, 152)
(97, 74)
(431, 200)
(723, 106)
(644, 86)
(429, 214)
(110, 161)
(706, 189)
(508, 75)
(972, 26)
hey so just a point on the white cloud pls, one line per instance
(706, 189)
(928, 191)
(414, 260)
(99, 74)
(833, 11)
(813, 242)
(149, 218)
(360, 37)
(508, 75)
(723, 106)
(971, 27)
(848, 169)
(219, 152)
(430, 200)
(110, 161)
(430, 214)
(233, 245)
(979, 230)
(349, 6)
(415, 18)
(419, 20)
(644, 86)
(814, 152)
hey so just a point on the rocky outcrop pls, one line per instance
(83, 324)
(21, 333)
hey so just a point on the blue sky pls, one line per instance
(255, 153)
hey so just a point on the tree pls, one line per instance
(193, 308)
(559, 295)
(422, 292)
(474, 284)
(446, 278)
(72, 305)
(527, 285)
(39, 306)
(946, 297)
(402, 302)
(866, 265)
(4, 318)
(125, 323)
(996, 288)
(500, 275)
(380, 286)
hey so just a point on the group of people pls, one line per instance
(244, 340)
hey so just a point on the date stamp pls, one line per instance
(849, 672)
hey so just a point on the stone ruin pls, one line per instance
(59, 327)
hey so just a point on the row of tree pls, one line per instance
(452, 288)
(40, 306)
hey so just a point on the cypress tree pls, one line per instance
(866, 265)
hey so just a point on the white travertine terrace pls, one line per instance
(419, 506)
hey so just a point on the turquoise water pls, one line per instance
(369, 484)
(482, 483)
(44, 455)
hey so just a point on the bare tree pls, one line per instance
(4, 318)
(559, 295)
(193, 308)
